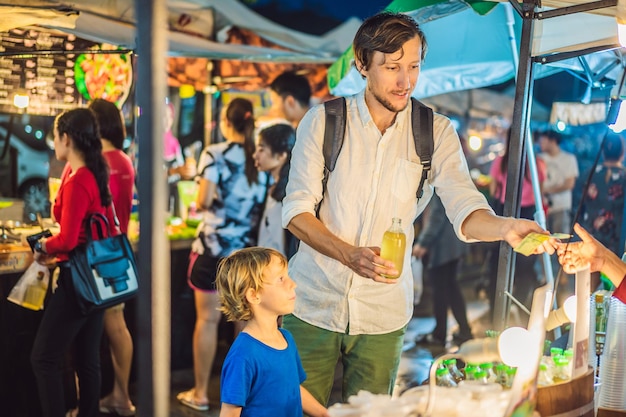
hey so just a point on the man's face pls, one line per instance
(391, 78)
(545, 143)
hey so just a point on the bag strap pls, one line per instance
(334, 132)
(97, 220)
(115, 219)
(422, 123)
(335, 129)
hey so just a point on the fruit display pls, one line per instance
(177, 229)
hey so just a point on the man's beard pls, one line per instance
(387, 104)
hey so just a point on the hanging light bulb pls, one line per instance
(565, 314)
(21, 99)
(511, 347)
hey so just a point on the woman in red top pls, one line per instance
(121, 182)
(84, 191)
(525, 275)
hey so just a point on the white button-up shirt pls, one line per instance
(375, 179)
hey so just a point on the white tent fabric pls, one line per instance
(191, 25)
(573, 32)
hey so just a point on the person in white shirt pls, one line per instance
(562, 171)
(346, 309)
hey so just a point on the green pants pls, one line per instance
(370, 362)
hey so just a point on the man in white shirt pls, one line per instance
(345, 307)
(562, 171)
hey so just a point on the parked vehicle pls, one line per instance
(26, 164)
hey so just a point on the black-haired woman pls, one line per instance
(84, 191)
(230, 195)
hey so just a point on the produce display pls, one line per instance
(177, 228)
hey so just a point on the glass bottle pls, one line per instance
(560, 373)
(394, 246)
(544, 377)
(501, 373)
(600, 323)
(487, 368)
(481, 376)
(36, 293)
(469, 370)
(510, 376)
(444, 379)
(457, 375)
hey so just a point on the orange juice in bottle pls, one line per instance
(394, 246)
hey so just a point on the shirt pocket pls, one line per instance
(406, 180)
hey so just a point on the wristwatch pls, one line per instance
(38, 248)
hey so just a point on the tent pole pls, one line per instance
(540, 216)
(516, 144)
(153, 304)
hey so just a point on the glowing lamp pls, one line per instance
(515, 347)
(21, 99)
(565, 314)
(511, 347)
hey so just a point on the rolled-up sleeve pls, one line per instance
(304, 188)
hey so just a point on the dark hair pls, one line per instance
(291, 84)
(279, 138)
(81, 126)
(552, 135)
(240, 115)
(613, 148)
(110, 121)
(504, 162)
(385, 32)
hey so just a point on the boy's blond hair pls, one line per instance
(237, 273)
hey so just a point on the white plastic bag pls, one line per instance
(418, 283)
(30, 290)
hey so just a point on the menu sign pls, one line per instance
(41, 63)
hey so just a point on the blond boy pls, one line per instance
(262, 372)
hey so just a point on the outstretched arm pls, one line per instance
(576, 255)
(486, 226)
(365, 261)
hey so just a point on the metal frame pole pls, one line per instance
(153, 305)
(516, 144)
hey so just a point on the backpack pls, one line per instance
(335, 129)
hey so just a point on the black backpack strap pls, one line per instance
(422, 122)
(334, 131)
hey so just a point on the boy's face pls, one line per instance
(278, 294)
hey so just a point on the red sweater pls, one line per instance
(78, 196)
(121, 181)
(620, 291)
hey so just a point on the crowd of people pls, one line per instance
(295, 261)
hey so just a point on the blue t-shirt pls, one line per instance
(263, 380)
